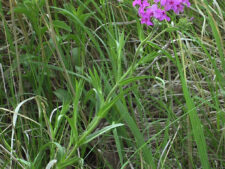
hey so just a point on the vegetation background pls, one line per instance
(84, 85)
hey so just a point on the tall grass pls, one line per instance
(85, 85)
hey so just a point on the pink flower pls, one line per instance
(179, 8)
(147, 12)
(161, 15)
(171, 4)
(146, 20)
(136, 2)
(186, 2)
(145, 4)
(162, 2)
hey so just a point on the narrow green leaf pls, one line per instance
(62, 25)
(100, 132)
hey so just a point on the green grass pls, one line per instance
(84, 85)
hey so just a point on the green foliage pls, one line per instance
(83, 84)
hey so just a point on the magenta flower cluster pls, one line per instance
(158, 9)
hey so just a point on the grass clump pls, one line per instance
(85, 85)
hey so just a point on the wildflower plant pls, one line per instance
(83, 86)
(159, 9)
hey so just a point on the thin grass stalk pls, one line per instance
(216, 34)
(189, 144)
(53, 36)
(20, 92)
(16, 49)
(195, 121)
